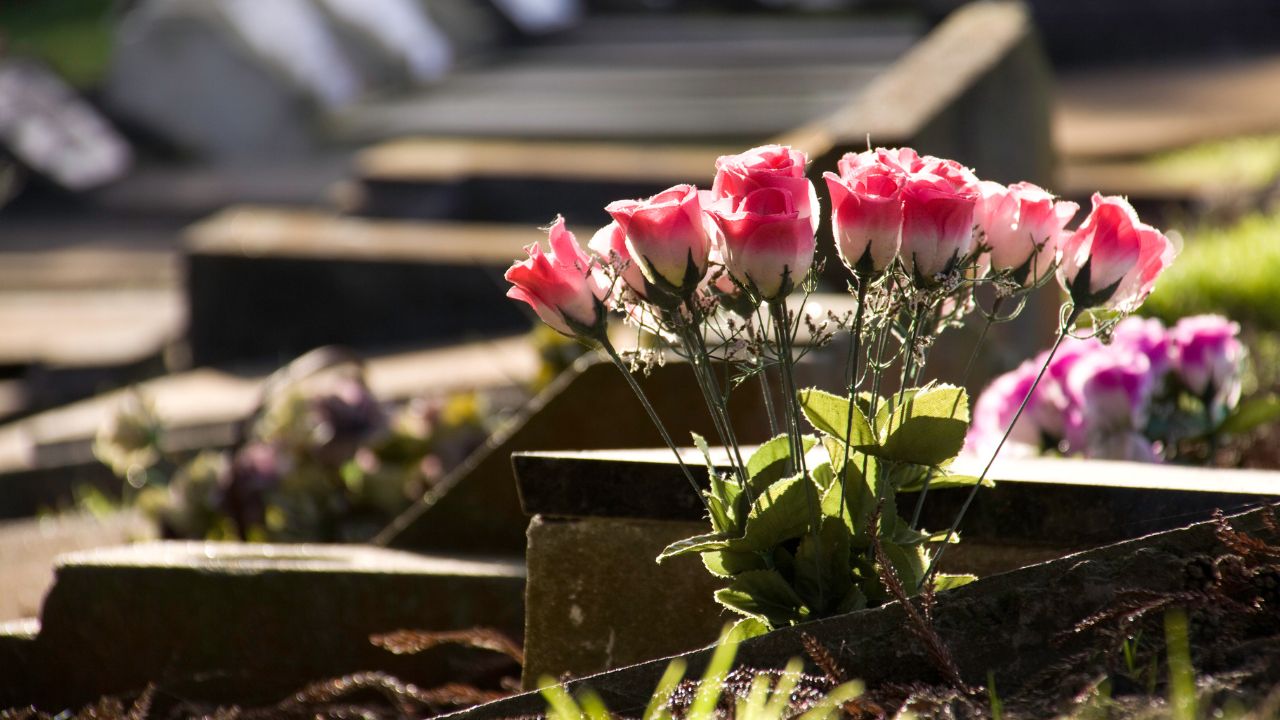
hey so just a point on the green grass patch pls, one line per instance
(1233, 270)
(73, 36)
(1249, 161)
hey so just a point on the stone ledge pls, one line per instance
(230, 622)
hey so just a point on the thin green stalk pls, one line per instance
(722, 406)
(767, 394)
(657, 421)
(1062, 334)
(797, 438)
(697, 362)
(851, 363)
(964, 381)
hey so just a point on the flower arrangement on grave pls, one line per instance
(806, 525)
(320, 460)
(1142, 392)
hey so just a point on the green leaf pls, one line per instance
(830, 414)
(1252, 413)
(766, 596)
(860, 499)
(822, 575)
(745, 629)
(951, 582)
(853, 600)
(727, 563)
(727, 504)
(943, 481)
(927, 429)
(779, 513)
(823, 476)
(908, 562)
(695, 544)
(768, 464)
(890, 404)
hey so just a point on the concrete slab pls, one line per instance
(229, 622)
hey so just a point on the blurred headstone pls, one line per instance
(47, 127)
(539, 17)
(394, 42)
(232, 79)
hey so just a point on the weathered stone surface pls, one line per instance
(230, 622)
(266, 284)
(1044, 510)
(1013, 625)
(29, 548)
(178, 66)
(584, 611)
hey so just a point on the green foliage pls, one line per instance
(73, 36)
(788, 561)
(1230, 271)
(766, 699)
(1251, 413)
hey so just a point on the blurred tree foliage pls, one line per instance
(73, 36)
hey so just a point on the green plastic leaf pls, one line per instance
(745, 629)
(927, 429)
(780, 513)
(822, 575)
(1252, 413)
(951, 582)
(908, 563)
(727, 504)
(861, 496)
(727, 563)
(830, 414)
(768, 464)
(853, 600)
(887, 406)
(766, 596)
(823, 476)
(695, 544)
(941, 481)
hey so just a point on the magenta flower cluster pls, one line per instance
(1119, 401)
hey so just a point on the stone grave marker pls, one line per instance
(1040, 509)
(47, 127)
(238, 79)
(269, 284)
(1015, 626)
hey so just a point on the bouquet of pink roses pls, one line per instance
(806, 525)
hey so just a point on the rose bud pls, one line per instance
(768, 166)
(1146, 336)
(866, 217)
(1023, 228)
(610, 243)
(768, 244)
(937, 226)
(666, 238)
(1207, 357)
(560, 285)
(1113, 259)
(1110, 393)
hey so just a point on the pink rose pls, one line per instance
(1113, 259)
(560, 286)
(995, 409)
(866, 217)
(768, 243)
(610, 244)
(937, 226)
(666, 238)
(1110, 394)
(1023, 227)
(1207, 357)
(768, 166)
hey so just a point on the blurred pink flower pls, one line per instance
(1207, 357)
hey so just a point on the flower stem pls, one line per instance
(1063, 329)
(851, 363)
(653, 415)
